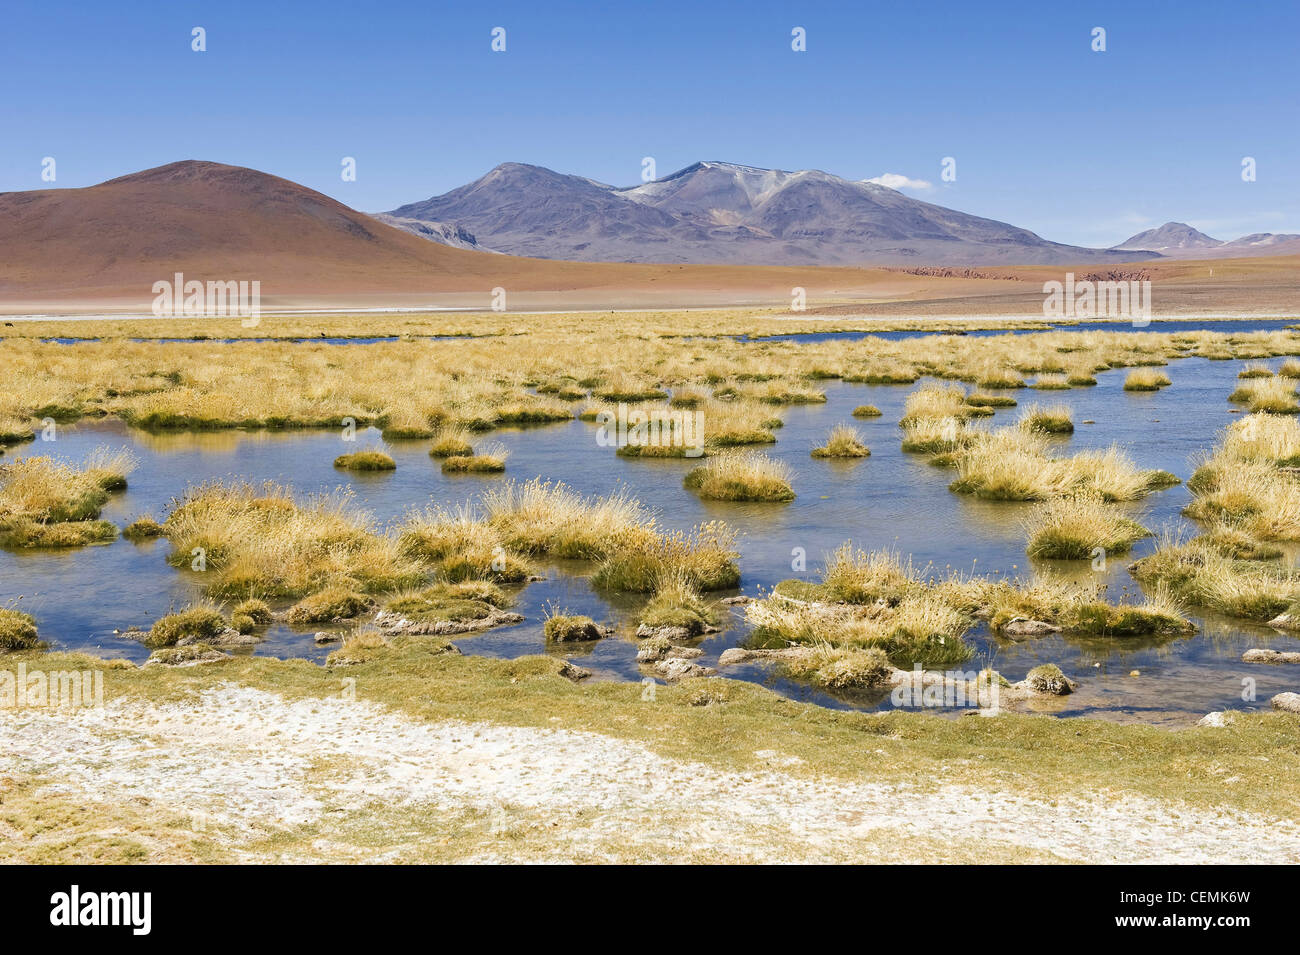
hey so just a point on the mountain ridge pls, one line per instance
(716, 212)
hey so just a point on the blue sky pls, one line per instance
(1079, 146)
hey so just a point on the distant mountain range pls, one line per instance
(1179, 240)
(107, 245)
(718, 212)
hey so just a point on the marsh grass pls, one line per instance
(844, 441)
(365, 461)
(1013, 464)
(1253, 370)
(193, 624)
(705, 558)
(1276, 395)
(329, 605)
(742, 477)
(1052, 382)
(677, 603)
(45, 503)
(17, 631)
(264, 541)
(143, 528)
(866, 411)
(1145, 379)
(1049, 420)
(1200, 573)
(1252, 495)
(490, 459)
(1077, 526)
(560, 626)
(451, 442)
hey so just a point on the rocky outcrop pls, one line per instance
(645, 632)
(1270, 656)
(228, 637)
(660, 648)
(186, 656)
(676, 668)
(571, 671)
(391, 624)
(1025, 627)
(1048, 678)
(1286, 702)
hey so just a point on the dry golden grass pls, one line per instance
(844, 441)
(747, 476)
(262, 541)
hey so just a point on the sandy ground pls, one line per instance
(242, 761)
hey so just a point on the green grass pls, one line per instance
(567, 628)
(336, 602)
(192, 624)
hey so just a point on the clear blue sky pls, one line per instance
(1079, 146)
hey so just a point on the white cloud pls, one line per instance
(892, 180)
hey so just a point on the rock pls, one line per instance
(187, 656)
(733, 655)
(1218, 719)
(326, 636)
(1024, 627)
(226, 638)
(1288, 619)
(659, 648)
(737, 600)
(575, 630)
(1048, 678)
(662, 633)
(571, 671)
(675, 668)
(1286, 702)
(1270, 656)
(391, 623)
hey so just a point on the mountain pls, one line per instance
(1173, 236)
(716, 212)
(103, 247)
(1179, 240)
(208, 220)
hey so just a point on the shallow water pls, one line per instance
(1230, 326)
(895, 500)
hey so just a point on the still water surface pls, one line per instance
(890, 500)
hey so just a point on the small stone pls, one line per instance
(1270, 656)
(571, 671)
(1286, 702)
(1024, 627)
(733, 655)
(675, 668)
(325, 636)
